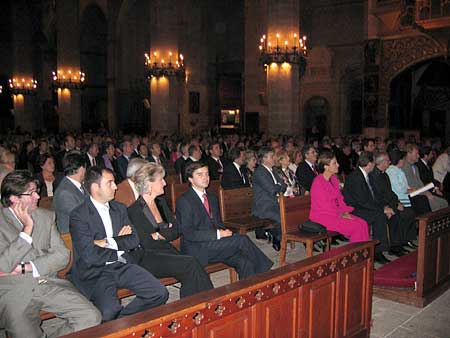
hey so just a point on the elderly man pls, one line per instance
(31, 253)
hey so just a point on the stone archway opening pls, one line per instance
(420, 99)
(317, 111)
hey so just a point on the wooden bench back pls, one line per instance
(178, 189)
(235, 203)
(67, 239)
(293, 211)
(46, 203)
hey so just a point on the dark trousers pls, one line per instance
(239, 252)
(402, 227)
(169, 262)
(420, 204)
(149, 291)
(377, 220)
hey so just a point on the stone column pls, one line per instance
(23, 63)
(164, 90)
(283, 79)
(68, 57)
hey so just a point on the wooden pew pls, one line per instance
(433, 262)
(236, 210)
(328, 295)
(295, 211)
(123, 293)
(178, 189)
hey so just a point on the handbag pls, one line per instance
(312, 227)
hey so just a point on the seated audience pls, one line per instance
(108, 155)
(267, 185)
(214, 161)
(92, 158)
(235, 172)
(157, 155)
(328, 206)
(156, 228)
(423, 164)
(412, 176)
(126, 191)
(8, 160)
(103, 239)
(47, 178)
(180, 162)
(205, 237)
(306, 170)
(251, 162)
(195, 154)
(400, 187)
(358, 193)
(282, 162)
(31, 254)
(70, 192)
(402, 224)
(121, 163)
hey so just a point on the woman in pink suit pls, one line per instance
(327, 203)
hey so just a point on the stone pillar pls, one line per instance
(283, 79)
(23, 63)
(68, 53)
(164, 90)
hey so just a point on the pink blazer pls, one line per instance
(327, 201)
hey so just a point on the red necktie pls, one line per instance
(206, 204)
(314, 169)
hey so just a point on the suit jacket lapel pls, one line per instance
(115, 219)
(196, 200)
(97, 220)
(147, 213)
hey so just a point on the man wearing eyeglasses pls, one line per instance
(31, 254)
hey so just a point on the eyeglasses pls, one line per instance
(30, 193)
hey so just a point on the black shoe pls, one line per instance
(262, 236)
(269, 237)
(341, 238)
(334, 241)
(276, 246)
(410, 245)
(380, 258)
(396, 251)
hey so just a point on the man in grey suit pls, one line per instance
(414, 182)
(70, 192)
(31, 253)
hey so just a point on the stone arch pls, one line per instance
(398, 55)
(317, 113)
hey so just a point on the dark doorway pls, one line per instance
(251, 123)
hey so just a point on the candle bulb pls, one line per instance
(170, 57)
(278, 35)
(295, 39)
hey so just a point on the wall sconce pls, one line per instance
(158, 67)
(1, 89)
(23, 86)
(68, 79)
(292, 51)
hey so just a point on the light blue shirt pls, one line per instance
(399, 184)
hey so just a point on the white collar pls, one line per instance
(364, 172)
(98, 205)
(75, 182)
(199, 193)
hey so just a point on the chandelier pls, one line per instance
(23, 86)
(66, 78)
(159, 67)
(290, 50)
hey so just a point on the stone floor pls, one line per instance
(390, 319)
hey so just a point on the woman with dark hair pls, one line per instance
(327, 202)
(157, 227)
(47, 178)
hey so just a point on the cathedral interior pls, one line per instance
(377, 67)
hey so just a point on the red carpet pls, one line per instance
(398, 273)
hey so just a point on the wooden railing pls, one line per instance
(329, 295)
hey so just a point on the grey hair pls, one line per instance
(147, 173)
(134, 166)
(379, 157)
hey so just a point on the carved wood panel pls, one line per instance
(276, 311)
(443, 249)
(352, 308)
(318, 301)
(238, 325)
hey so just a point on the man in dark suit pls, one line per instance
(214, 161)
(425, 170)
(205, 236)
(92, 158)
(69, 145)
(195, 154)
(70, 192)
(103, 237)
(306, 170)
(122, 160)
(157, 155)
(180, 163)
(359, 193)
(235, 173)
(267, 185)
(402, 224)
